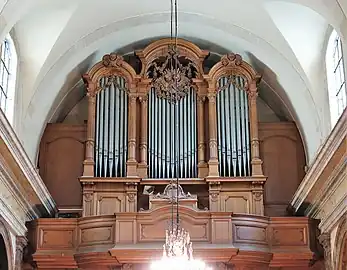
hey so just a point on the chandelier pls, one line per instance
(172, 80)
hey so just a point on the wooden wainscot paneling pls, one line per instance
(242, 195)
(152, 224)
(109, 196)
(283, 158)
(137, 238)
(99, 232)
(56, 237)
(61, 162)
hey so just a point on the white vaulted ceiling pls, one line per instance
(59, 40)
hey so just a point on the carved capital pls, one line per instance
(132, 98)
(143, 99)
(252, 92)
(211, 97)
(214, 196)
(201, 99)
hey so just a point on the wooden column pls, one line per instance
(132, 163)
(88, 164)
(142, 166)
(212, 117)
(202, 165)
(252, 101)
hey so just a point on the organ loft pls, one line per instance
(116, 167)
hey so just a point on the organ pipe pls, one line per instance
(111, 128)
(162, 136)
(233, 132)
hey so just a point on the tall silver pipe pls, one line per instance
(106, 130)
(112, 129)
(125, 141)
(150, 125)
(121, 130)
(97, 123)
(247, 133)
(101, 130)
(167, 140)
(223, 146)
(238, 130)
(219, 128)
(194, 161)
(117, 136)
(189, 124)
(228, 125)
(244, 119)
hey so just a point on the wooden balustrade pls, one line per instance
(137, 238)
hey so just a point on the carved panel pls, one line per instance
(284, 172)
(155, 231)
(57, 238)
(249, 234)
(221, 230)
(289, 236)
(236, 202)
(99, 235)
(236, 239)
(109, 203)
(61, 162)
(125, 231)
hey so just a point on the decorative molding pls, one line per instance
(329, 203)
(320, 162)
(137, 238)
(13, 206)
(8, 136)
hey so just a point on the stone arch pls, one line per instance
(6, 239)
(340, 257)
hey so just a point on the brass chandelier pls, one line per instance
(172, 80)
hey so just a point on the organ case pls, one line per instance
(131, 132)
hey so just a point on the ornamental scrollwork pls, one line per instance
(131, 197)
(112, 60)
(172, 79)
(231, 59)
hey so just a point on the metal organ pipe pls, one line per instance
(233, 129)
(111, 126)
(162, 138)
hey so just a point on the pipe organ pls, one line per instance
(130, 157)
(111, 128)
(233, 128)
(163, 134)
(132, 131)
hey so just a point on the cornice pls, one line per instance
(324, 155)
(329, 204)
(12, 207)
(8, 136)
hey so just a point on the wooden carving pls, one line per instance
(160, 48)
(137, 87)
